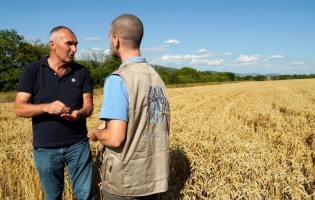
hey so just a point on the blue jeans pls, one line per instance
(50, 164)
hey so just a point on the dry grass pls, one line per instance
(252, 140)
(6, 97)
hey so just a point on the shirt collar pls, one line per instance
(133, 59)
(44, 61)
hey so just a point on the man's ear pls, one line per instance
(52, 45)
(116, 41)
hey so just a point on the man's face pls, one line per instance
(65, 45)
(112, 45)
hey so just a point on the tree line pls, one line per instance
(16, 53)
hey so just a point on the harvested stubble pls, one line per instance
(251, 140)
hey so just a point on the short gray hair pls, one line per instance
(56, 29)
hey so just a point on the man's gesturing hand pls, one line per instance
(75, 115)
(91, 134)
(57, 108)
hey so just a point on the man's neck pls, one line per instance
(129, 54)
(55, 63)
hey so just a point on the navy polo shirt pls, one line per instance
(46, 86)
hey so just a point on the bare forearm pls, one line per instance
(29, 110)
(113, 136)
(104, 137)
(86, 111)
(23, 108)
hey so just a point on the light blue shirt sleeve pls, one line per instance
(115, 99)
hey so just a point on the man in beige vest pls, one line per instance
(136, 112)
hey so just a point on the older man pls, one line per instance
(57, 94)
(137, 114)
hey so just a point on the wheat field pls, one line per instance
(249, 140)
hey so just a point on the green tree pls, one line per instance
(164, 73)
(173, 78)
(10, 47)
(99, 65)
(15, 54)
(230, 76)
(260, 78)
(112, 63)
(188, 75)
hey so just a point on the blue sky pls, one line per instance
(267, 36)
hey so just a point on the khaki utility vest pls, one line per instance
(140, 166)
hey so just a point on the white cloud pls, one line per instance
(202, 51)
(292, 68)
(242, 64)
(96, 49)
(273, 57)
(248, 59)
(228, 53)
(30, 39)
(298, 63)
(94, 53)
(33, 40)
(276, 56)
(107, 51)
(269, 65)
(156, 49)
(171, 41)
(96, 39)
(279, 61)
(215, 62)
(99, 50)
(195, 61)
(187, 60)
(209, 55)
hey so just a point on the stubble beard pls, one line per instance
(115, 54)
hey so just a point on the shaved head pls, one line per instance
(130, 29)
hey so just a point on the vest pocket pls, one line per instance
(107, 166)
(108, 171)
(146, 170)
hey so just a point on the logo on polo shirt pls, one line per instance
(73, 80)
